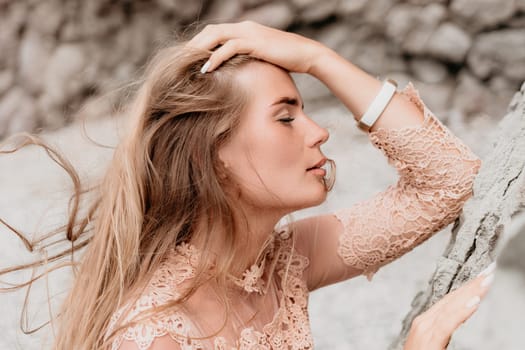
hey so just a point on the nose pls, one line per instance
(317, 134)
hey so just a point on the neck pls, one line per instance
(254, 227)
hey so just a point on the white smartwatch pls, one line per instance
(378, 105)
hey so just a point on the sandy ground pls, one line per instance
(356, 314)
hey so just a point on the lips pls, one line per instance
(318, 164)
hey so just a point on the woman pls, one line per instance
(187, 251)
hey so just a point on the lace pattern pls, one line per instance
(289, 328)
(162, 289)
(436, 174)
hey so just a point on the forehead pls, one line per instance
(266, 83)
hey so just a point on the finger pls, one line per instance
(478, 286)
(225, 52)
(460, 304)
(445, 316)
(213, 35)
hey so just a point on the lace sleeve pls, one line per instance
(436, 174)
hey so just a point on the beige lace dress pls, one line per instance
(270, 310)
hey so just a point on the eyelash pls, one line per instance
(286, 120)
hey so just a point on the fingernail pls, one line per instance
(205, 67)
(488, 269)
(473, 302)
(487, 281)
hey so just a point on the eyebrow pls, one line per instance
(292, 101)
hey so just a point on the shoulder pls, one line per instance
(138, 325)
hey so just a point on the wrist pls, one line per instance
(322, 57)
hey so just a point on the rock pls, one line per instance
(33, 57)
(425, 2)
(99, 22)
(46, 17)
(376, 11)
(502, 90)
(133, 43)
(6, 80)
(471, 96)
(95, 107)
(245, 3)
(89, 19)
(302, 4)
(437, 97)
(185, 11)
(372, 56)
(432, 15)
(351, 7)
(63, 74)
(223, 11)
(318, 11)
(71, 31)
(143, 36)
(17, 112)
(516, 22)
(395, 63)
(449, 42)
(122, 74)
(344, 37)
(497, 52)
(334, 35)
(401, 19)
(512, 256)
(425, 22)
(484, 221)
(520, 6)
(277, 15)
(52, 114)
(428, 70)
(482, 13)
(115, 38)
(12, 22)
(311, 89)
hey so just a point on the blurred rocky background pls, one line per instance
(68, 60)
(467, 57)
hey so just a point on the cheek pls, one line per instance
(275, 150)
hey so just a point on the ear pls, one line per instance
(222, 153)
(223, 168)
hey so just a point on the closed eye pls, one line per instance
(287, 120)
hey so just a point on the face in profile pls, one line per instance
(276, 144)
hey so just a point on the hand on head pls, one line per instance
(290, 51)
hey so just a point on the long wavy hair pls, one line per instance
(164, 178)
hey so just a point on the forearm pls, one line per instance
(437, 171)
(357, 89)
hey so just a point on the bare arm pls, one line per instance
(436, 169)
(295, 53)
(436, 172)
(356, 89)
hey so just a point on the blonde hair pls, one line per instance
(165, 176)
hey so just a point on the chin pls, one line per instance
(316, 200)
(322, 197)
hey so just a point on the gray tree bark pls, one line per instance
(499, 193)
